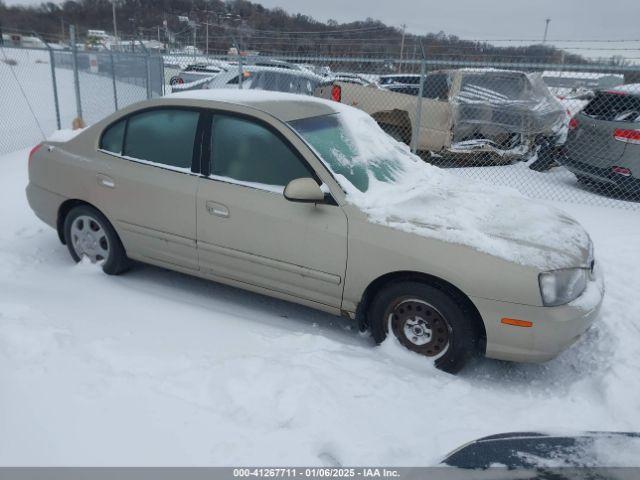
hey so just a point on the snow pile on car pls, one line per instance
(428, 201)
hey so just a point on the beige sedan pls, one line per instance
(309, 201)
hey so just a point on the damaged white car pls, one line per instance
(481, 116)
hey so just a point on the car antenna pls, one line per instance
(24, 95)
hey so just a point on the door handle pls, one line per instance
(105, 181)
(217, 209)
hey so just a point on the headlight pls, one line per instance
(562, 286)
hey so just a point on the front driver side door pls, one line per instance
(248, 232)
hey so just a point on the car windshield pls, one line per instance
(355, 158)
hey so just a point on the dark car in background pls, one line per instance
(603, 144)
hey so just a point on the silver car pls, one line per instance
(603, 144)
(258, 77)
(197, 72)
(310, 201)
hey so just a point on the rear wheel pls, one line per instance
(88, 233)
(429, 320)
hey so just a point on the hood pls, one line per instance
(395, 188)
(501, 222)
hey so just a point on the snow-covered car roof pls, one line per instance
(578, 75)
(285, 106)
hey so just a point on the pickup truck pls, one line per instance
(481, 115)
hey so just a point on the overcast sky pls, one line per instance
(488, 19)
(496, 19)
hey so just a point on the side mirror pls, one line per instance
(303, 190)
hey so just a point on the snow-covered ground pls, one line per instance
(157, 368)
(557, 184)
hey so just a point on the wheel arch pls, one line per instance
(63, 211)
(401, 276)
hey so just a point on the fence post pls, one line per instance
(146, 61)
(240, 76)
(76, 77)
(415, 132)
(54, 83)
(113, 81)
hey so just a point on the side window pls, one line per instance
(164, 136)
(248, 152)
(113, 137)
(436, 86)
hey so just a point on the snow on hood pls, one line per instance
(500, 222)
(416, 197)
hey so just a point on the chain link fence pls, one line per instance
(45, 89)
(552, 131)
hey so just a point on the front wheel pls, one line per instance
(88, 233)
(428, 320)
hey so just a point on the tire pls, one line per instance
(87, 232)
(441, 324)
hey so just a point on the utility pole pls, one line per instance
(546, 30)
(115, 24)
(402, 41)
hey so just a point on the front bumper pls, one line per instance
(553, 330)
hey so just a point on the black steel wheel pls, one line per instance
(429, 319)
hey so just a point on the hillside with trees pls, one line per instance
(216, 25)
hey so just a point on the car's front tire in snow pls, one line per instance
(88, 233)
(427, 319)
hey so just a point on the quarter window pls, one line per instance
(113, 137)
(248, 152)
(163, 136)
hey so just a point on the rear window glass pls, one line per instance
(614, 107)
(495, 85)
(113, 137)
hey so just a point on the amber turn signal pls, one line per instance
(517, 323)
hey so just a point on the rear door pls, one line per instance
(147, 186)
(248, 231)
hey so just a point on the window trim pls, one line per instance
(196, 158)
(104, 131)
(206, 160)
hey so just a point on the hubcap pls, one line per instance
(419, 326)
(89, 239)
